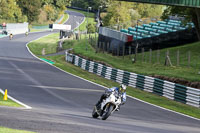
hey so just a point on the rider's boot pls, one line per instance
(118, 108)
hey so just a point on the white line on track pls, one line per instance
(15, 100)
(65, 88)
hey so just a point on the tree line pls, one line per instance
(32, 10)
(112, 11)
(118, 12)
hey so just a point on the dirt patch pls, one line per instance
(178, 81)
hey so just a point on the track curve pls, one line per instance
(62, 103)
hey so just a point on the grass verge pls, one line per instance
(8, 103)
(148, 97)
(8, 130)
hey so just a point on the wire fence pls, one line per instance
(167, 57)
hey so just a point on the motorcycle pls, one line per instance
(26, 34)
(10, 36)
(109, 105)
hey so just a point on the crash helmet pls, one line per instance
(122, 88)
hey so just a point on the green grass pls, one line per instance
(149, 97)
(183, 72)
(90, 17)
(49, 43)
(8, 103)
(8, 130)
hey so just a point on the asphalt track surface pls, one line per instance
(62, 103)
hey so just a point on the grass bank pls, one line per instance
(8, 130)
(79, 46)
(186, 73)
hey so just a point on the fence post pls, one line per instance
(103, 46)
(178, 55)
(123, 51)
(129, 50)
(118, 48)
(142, 54)
(98, 45)
(189, 58)
(113, 49)
(150, 56)
(108, 46)
(135, 54)
(166, 56)
(167, 59)
(158, 56)
(95, 38)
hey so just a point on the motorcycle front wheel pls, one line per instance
(107, 111)
(94, 113)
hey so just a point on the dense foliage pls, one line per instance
(32, 10)
(95, 4)
(126, 13)
(9, 10)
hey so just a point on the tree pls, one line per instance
(148, 10)
(46, 2)
(80, 3)
(10, 11)
(117, 12)
(126, 13)
(190, 14)
(30, 8)
(61, 4)
(91, 28)
(49, 9)
(95, 4)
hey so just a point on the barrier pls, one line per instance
(16, 28)
(177, 92)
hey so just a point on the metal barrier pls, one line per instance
(177, 92)
(41, 27)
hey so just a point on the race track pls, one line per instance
(62, 103)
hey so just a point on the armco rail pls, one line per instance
(177, 92)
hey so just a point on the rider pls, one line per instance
(26, 33)
(120, 90)
(11, 36)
